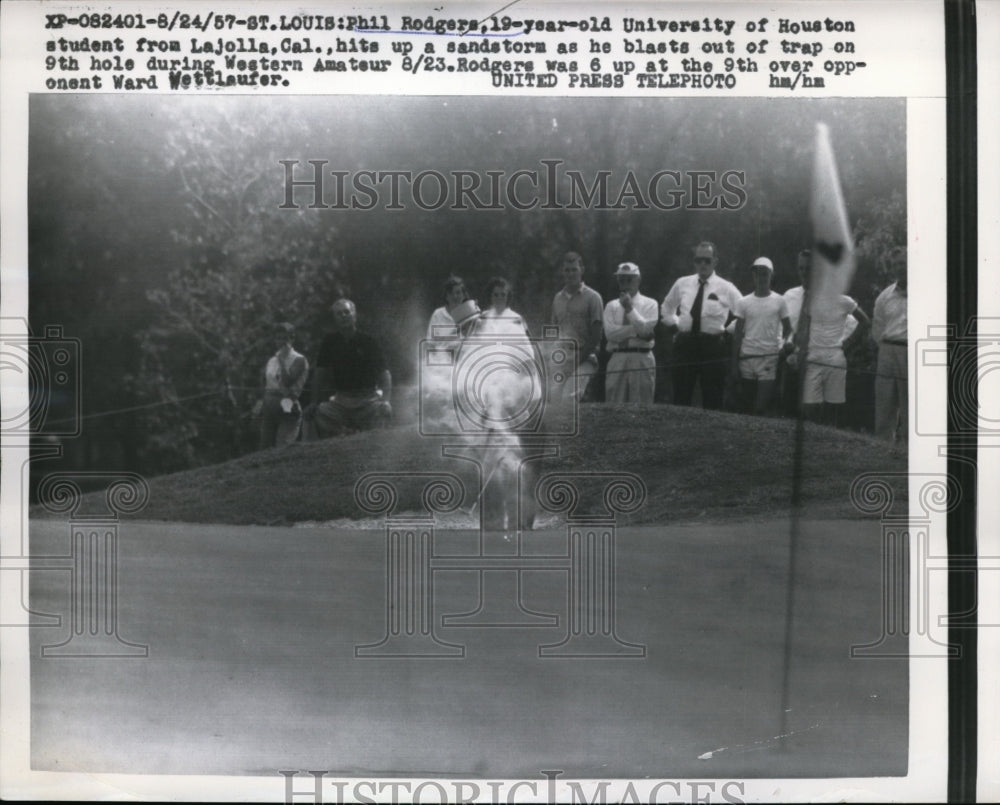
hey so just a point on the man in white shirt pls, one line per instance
(889, 332)
(699, 306)
(790, 378)
(762, 325)
(578, 312)
(793, 296)
(825, 375)
(628, 326)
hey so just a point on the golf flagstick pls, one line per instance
(830, 274)
(796, 512)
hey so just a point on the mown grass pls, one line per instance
(696, 465)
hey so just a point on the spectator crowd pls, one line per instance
(761, 353)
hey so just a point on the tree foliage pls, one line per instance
(245, 264)
(158, 236)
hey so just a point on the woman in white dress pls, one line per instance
(498, 318)
(442, 325)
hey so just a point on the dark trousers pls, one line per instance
(705, 357)
(276, 427)
(790, 390)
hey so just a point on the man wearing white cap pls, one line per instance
(628, 326)
(762, 325)
(699, 305)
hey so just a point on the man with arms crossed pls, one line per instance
(628, 325)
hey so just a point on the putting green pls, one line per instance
(251, 667)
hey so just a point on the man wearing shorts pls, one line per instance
(762, 324)
(825, 381)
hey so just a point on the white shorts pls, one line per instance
(826, 377)
(758, 367)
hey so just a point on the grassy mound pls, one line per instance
(696, 465)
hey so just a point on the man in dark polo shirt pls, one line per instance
(352, 384)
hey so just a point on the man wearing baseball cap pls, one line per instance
(699, 305)
(762, 325)
(628, 326)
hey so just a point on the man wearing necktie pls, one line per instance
(699, 306)
(628, 326)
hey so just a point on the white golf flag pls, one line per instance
(833, 247)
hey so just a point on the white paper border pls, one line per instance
(918, 45)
